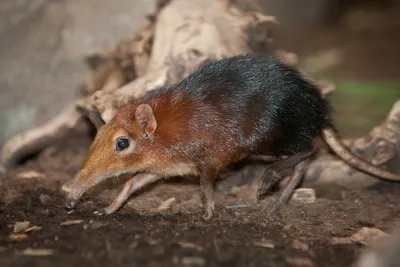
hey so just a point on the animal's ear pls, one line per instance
(145, 118)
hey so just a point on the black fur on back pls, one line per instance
(270, 106)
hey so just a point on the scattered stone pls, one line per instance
(71, 222)
(18, 237)
(296, 244)
(133, 245)
(264, 244)
(365, 236)
(44, 199)
(37, 252)
(304, 195)
(166, 204)
(21, 226)
(300, 262)
(341, 240)
(239, 206)
(33, 228)
(368, 236)
(29, 175)
(287, 227)
(152, 242)
(96, 224)
(193, 261)
(190, 246)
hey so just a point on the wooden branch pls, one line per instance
(186, 34)
(34, 140)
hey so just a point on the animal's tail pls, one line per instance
(333, 140)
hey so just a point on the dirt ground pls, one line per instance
(241, 234)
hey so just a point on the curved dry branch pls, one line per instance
(34, 140)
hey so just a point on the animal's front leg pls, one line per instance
(132, 185)
(207, 178)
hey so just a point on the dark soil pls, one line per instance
(140, 235)
(240, 234)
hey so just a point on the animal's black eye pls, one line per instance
(122, 143)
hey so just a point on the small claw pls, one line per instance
(207, 216)
(100, 212)
(69, 204)
(209, 212)
(103, 212)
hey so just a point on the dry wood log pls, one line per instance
(186, 34)
(34, 140)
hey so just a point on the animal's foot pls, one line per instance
(209, 212)
(100, 212)
(267, 181)
(103, 212)
(274, 209)
(277, 205)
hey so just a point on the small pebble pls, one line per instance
(193, 261)
(300, 262)
(264, 244)
(37, 252)
(44, 199)
(96, 225)
(71, 222)
(296, 244)
(304, 195)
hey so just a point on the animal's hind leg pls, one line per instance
(271, 176)
(299, 171)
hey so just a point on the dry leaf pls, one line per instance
(29, 174)
(296, 244)
(166, 204)
(33, 228)
(21, 226)
(193, 261)
(18, 237)
(190, 245)
(300, 262)
(37, 252)
(263, 244)
(71, 222)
